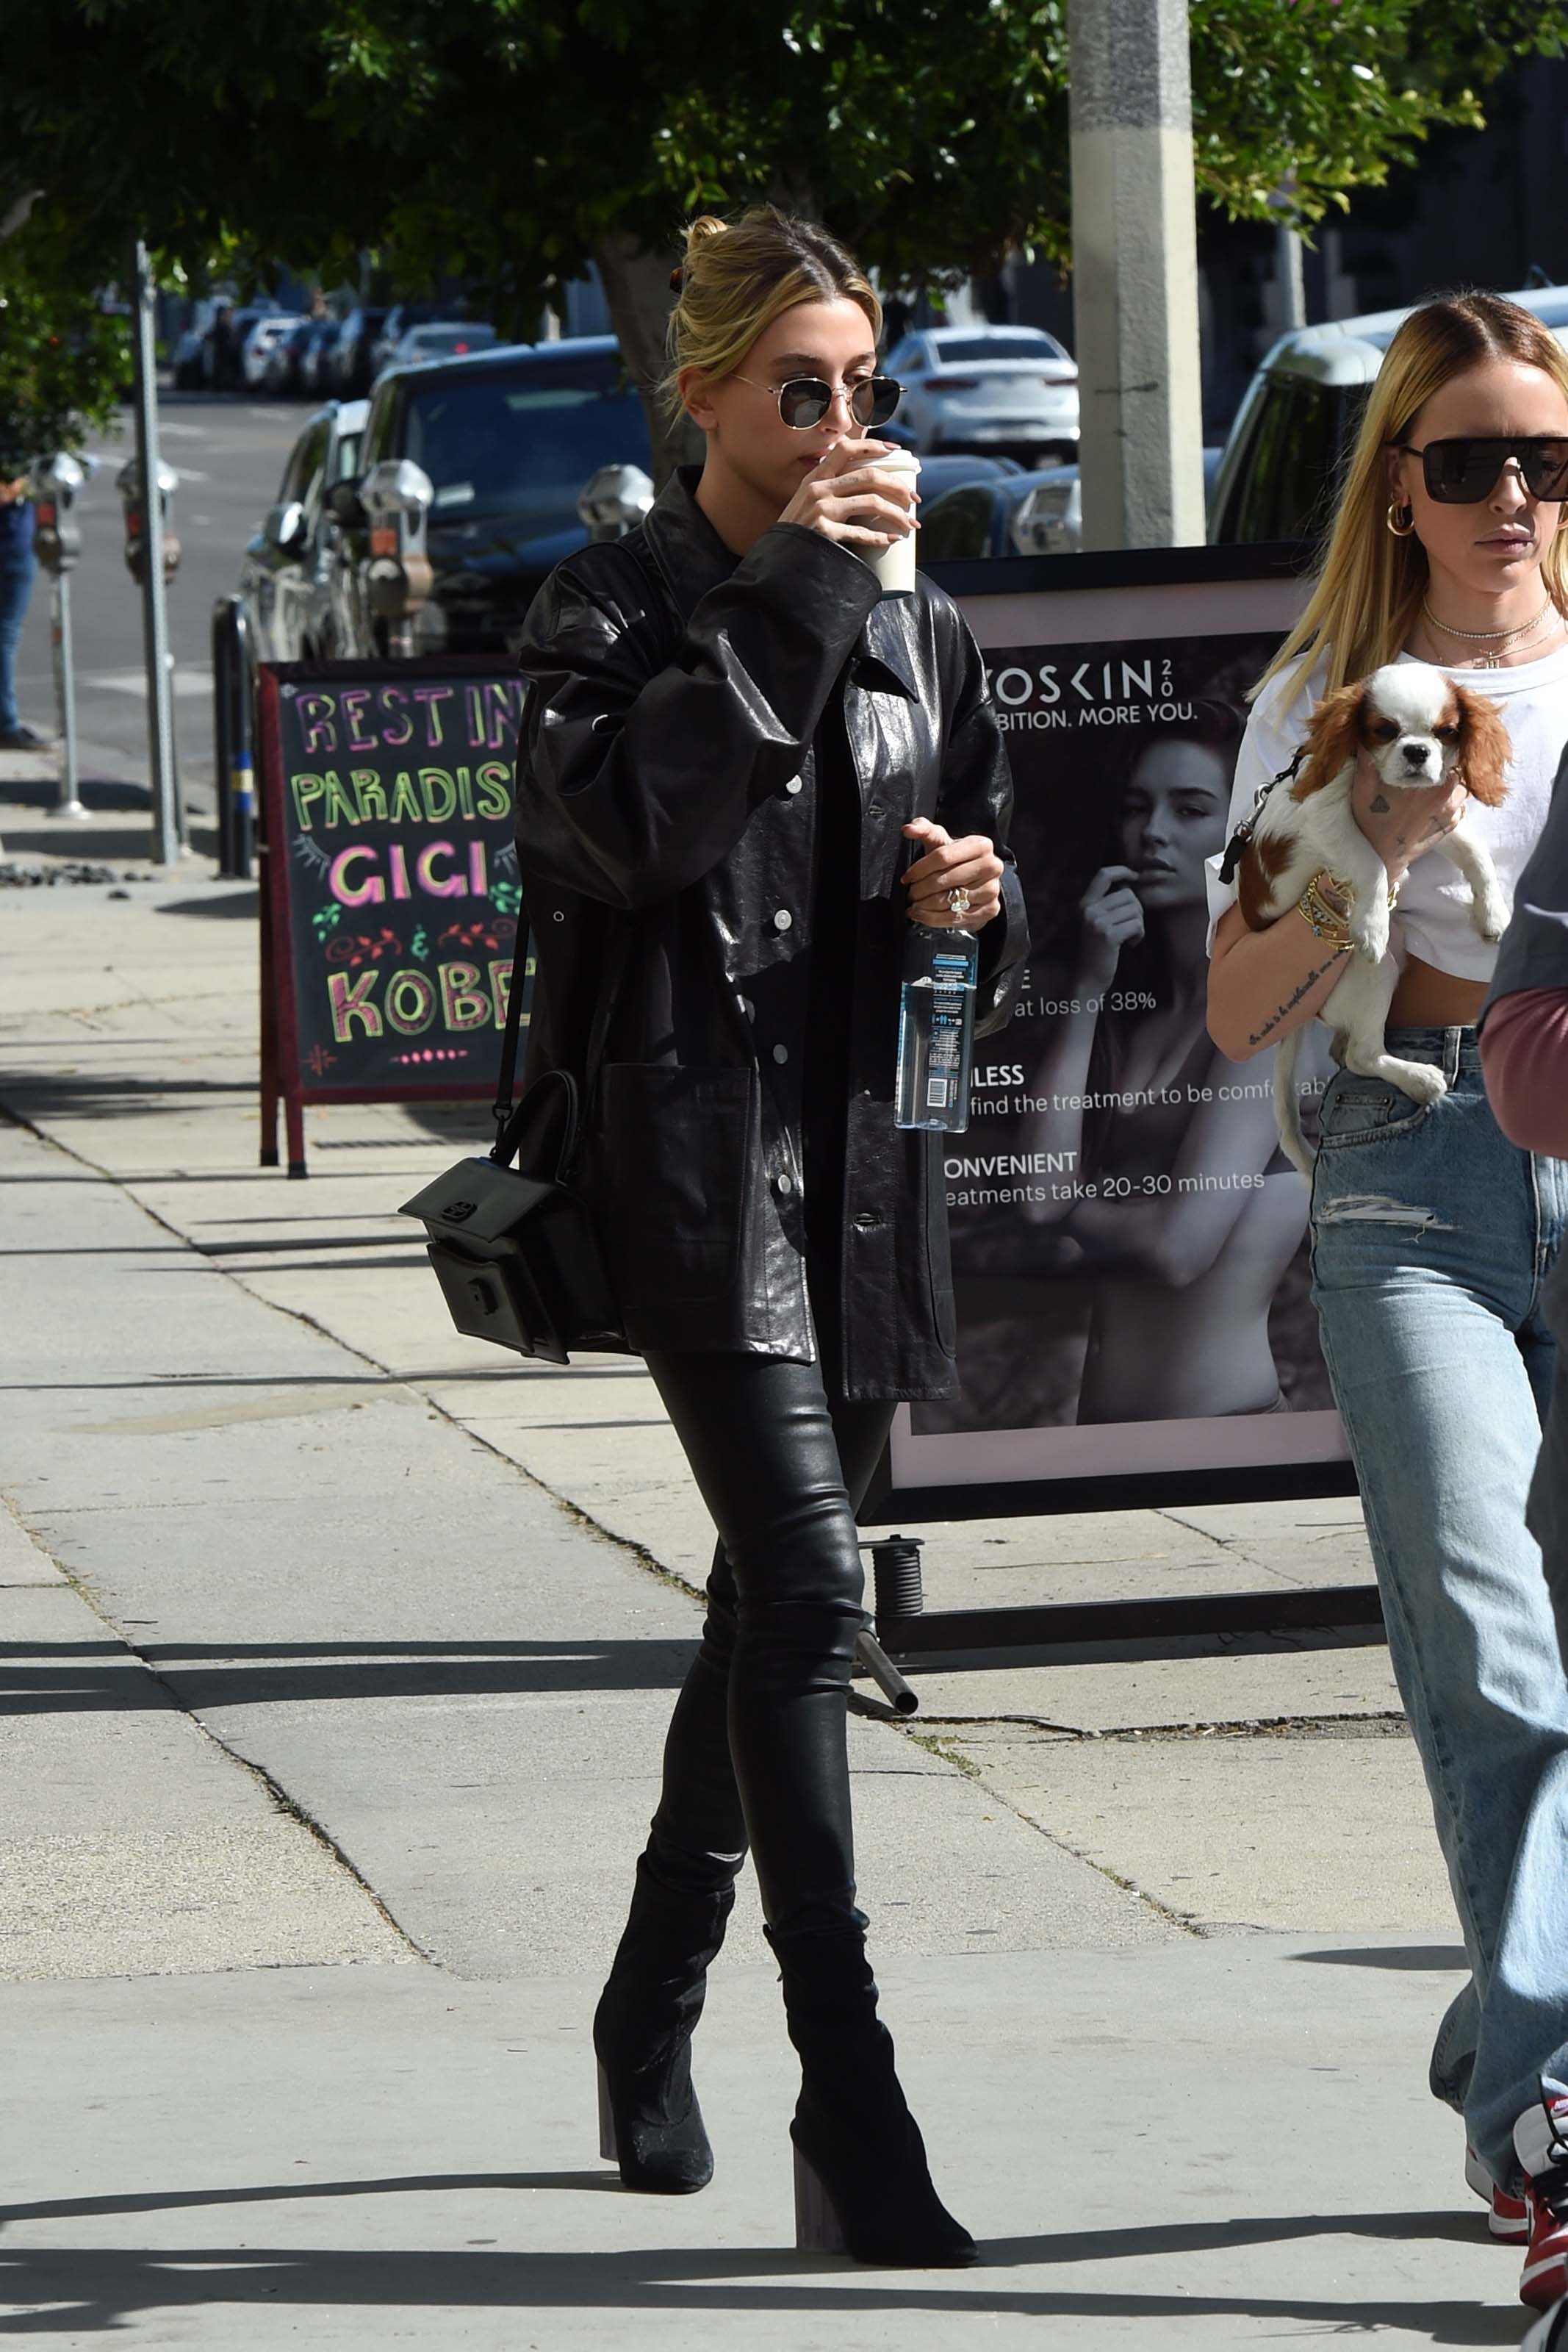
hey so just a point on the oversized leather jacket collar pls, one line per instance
(666, 816)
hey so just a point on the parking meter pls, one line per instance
(54, 487)
(55, 484)
(128, 482)
(615, 500)
(397, 496)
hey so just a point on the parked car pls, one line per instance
(508, 438)
(1298, 421)
(352, 371)
(258, 346)
(223, 355)
(984, 517)
(997, 391)
(442, 339)
(316, 357)
(396, 324)
(281, 375)
(185, 359)
(288, 576)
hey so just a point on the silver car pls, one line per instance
(1297, 425)
(288, 579)
(997, 391)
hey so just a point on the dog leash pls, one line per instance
(1243, 833)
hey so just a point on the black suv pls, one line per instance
(507, 437)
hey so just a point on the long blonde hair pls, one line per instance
(1370, 582)
(738, 276)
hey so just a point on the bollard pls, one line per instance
(232, 755)
(55, 486)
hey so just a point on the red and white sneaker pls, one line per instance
(1549, 2334)
(1541, 2144)
(1509, 2220)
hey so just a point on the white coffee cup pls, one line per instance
(894, 564)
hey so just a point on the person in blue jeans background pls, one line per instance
(1433, 1235)
(18, 565)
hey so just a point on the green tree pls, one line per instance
(513, 141)
(63, 361)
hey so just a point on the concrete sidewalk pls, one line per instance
(347, 1655)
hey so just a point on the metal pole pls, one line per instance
(167, 828)
(1135, 274)
(1292, 279)
(244, 777)
(67, 802)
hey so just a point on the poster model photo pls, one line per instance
(1129, 1240)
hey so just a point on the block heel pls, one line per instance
(608, 2148)
(817, 2230)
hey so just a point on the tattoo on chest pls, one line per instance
(1380, 805)
(1281, 1012)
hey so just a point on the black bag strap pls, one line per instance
(513, 1124)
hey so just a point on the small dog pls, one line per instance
(1417, 728)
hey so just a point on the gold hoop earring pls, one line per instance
(1400, 529)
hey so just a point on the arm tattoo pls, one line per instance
(1281, 1010)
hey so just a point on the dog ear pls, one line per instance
(1333, 739)
(1486, 750)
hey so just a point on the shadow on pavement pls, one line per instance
(1400, 1955)
(228, 900)
(101, 2288)
(87, 1677)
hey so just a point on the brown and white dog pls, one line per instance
(1417, 728)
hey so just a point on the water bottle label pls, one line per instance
(936, 1094)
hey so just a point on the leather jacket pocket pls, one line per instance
(672, 1152)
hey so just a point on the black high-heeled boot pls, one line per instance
(862, 2184)
(649, 2120)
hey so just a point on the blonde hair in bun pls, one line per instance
(738, 276)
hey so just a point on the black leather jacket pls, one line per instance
(667, 806)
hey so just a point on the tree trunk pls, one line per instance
(637, 292)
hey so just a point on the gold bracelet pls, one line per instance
(1322, 919)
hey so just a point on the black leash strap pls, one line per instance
(1236, 846)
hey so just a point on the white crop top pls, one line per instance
(1432, 919)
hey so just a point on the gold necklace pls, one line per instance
(1496, 641)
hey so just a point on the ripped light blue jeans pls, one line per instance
(1432, 1236)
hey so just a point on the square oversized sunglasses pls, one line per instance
(805, 400)
(1462, 473)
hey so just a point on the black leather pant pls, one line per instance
(756, 1750)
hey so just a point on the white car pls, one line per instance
(258, 346)
(997, 391)
(440, 339)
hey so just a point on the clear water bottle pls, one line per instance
(937, 1028)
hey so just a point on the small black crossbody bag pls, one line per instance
(514, 1248)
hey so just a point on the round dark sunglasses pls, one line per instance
(1462, 473)
(805, 400)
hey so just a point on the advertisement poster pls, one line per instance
(1129, 1243)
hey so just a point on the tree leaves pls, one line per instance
(512, 136)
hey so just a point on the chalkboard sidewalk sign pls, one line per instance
(391, 912)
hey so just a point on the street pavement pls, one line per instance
(338, 1651)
